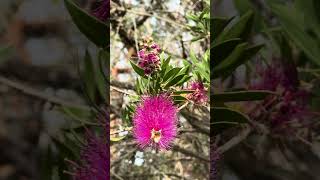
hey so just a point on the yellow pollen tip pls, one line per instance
(156, 135)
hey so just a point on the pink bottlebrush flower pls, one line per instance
(291, 106)
(95, 158)
(277, 76)
(102, 12)
(214, 161)
(149, 59)
(155, 122)
(199, 96)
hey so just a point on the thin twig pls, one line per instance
(153, 15)
(234, 141)
(121, 91)
(40, 95)
(190, 153)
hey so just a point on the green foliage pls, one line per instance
(167, 78)
(95, 30)
(224, 118)
(94, 78)
(201, 67)
(201, 27)
(241, 96)
(229, 48)
(298, 21)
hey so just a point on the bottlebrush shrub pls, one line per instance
(163, 90)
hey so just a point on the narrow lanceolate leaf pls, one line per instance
(95, 30)
(224, 118)
(89, 78)
(218, 24)
(100, 76)
(241, 96)
(241, 29)
(223, 49)
(174, 81)
(229, 63)
(172, 73)
(116, 139)
(178, 99)
(288, 18)
(183, 92)
(165, 65)
(248, 54)
(238, 57)
(137, 69)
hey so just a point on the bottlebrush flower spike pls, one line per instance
(292, 104)
(199, 96)
(214, 161)
(149, 59)
(102, 12)
(95, 158)
(155, 122)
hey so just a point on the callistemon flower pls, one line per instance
(214, 161)
(199, 96)
(291, 106)
(149, 59)
(95, 158)
(155, 122)
(102, 12)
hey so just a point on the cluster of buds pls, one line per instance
(199, 96)
(149, 59)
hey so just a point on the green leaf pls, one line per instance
(95, 30)
(165, 64)
(171, 74)
(224, 49)
(183, 80)
(89, 78)
(193, 57)
(288, 19)
(237, 58)
(137, 69)
(79, 115)
(174, 81)
(218, 24)
(100, 78)
(224, 118)
(183, 92)
(178, 99)
(241, 29)
(116, 139)
(241, 96)
(230, 62)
